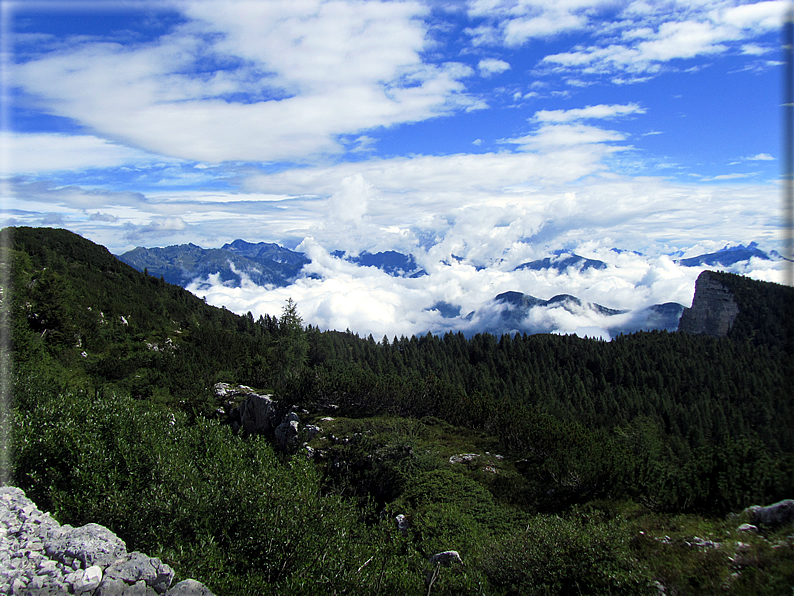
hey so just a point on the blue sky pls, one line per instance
(495, 130)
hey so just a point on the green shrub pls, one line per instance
(554, 555)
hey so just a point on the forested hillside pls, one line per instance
(593, 464)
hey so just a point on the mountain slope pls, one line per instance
(77, 306)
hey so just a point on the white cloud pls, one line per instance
(569, 135)
(734, 176)
(37, 153)
(349, 204)
(368, 301)
(760, 157)
(516, 23)
(310, 71)
(752, 49)
(644, 38)
(491, 66)
(590, 112)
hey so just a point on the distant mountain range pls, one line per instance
(512, 312)
(394, 263)
(271, 265)
(268, 264)
(263, 263)
(561, 262)
(730, 255)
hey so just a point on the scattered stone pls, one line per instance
(463, 457)
(88, 580)
(312, 431)
(747, 528)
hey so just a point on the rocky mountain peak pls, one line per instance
(713, 310)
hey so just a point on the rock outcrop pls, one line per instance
(255, 415)
(777, 514)
(713, 310)
(39, 556)
(287, 433)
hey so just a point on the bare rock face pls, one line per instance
(255, 415)
(713, 311)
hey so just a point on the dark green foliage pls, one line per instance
(119, 328)
(554, 555)
(222, 508)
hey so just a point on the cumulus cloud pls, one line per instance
(108, 217)
(491, 66)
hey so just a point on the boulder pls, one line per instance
(257, 414)
(445, 558)
(287, 432)
(137, 567)
(190, 587)
(91, 544)
(118, 587)
(777, 514)
(402, 524)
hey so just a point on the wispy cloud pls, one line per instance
(643, 39)
(39, 153)
(590, 112)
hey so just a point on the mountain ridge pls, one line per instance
(265, 264)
